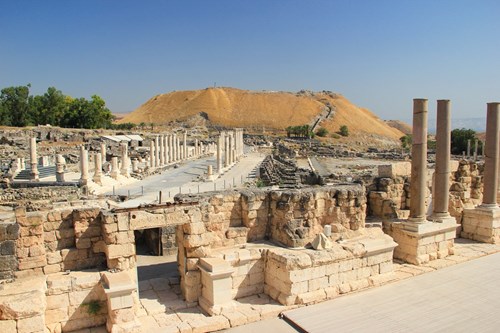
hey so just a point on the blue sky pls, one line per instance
(379, 54)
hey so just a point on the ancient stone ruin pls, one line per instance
(72, 264)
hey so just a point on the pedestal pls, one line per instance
(216, 285)
(419, 243)
(119, 289)
(482, 224)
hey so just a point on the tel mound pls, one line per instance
(243, 108)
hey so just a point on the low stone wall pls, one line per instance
(9, 233)
(74, 301)
(309, 276)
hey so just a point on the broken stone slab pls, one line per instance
(321, 242)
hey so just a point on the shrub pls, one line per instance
(322, 132)
(344, 131)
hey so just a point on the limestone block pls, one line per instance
(7, 326)
(58, 284)
(56, 315)
(194, 228)
(30, 325)
(120, 250)
(396, 169)
(311, 297)
(57, 301)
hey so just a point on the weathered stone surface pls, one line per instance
(22, 305)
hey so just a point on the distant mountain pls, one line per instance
(476, 124)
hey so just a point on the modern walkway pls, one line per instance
(459, 298)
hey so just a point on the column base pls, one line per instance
(419, 243)
(216, 285)
(482, 224)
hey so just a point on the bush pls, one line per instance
(322, 132)
(344, 131)
(406, 141)
(335, 136)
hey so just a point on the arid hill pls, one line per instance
(243, 108)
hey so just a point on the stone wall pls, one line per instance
(9, 233)
(74, 301)
(389, 196)
(309, 276)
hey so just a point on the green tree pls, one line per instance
(406, 141)
(49, 108)
(344, 131)
(15, 110)
(459, 138)
(322, 132)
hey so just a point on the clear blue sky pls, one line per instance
(379, 54)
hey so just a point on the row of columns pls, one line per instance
(229, 148)
(443, 156)
(171, 148)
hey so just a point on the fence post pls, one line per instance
(128, 194)
(159, 198)
(114, 190)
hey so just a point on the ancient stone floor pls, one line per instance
(163, 310)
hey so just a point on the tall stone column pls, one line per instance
(162, 150)
(219, 154)
(468, 148)
(60, 162)
(196, 152)
(97, 169)
(165, 144)
(185, 145)
(475, 149)
(125, 164)
(483, 223)
(492, 154)
(114, 168)
(418, 183)
(152, 154)
(170, 148)
(443, 155)
(178, 148)
(157, 151)
(103, 151)
(84, 166)
(420, 240)
(226, 151)
(34, 174)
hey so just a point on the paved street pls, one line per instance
(184, 179)
(460, 298)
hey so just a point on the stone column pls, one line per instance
(114, 167)
(226, 151)
(483, 223)
(418, 183)
(185, 146)
(492, 154)
(475, 149)
(34, 174)
(124, 168)
(443, 155)
(219, 154)
(468, 148)
(60, 162)
(178, 148)
(165, 143)
(210, 172)
(196, 152)
(152, 162)
(135, 167)
(170, 148)
(231, 148)
(162, 150)
(157, 151)
(97, 169)
(84, 166)
(103, 151)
